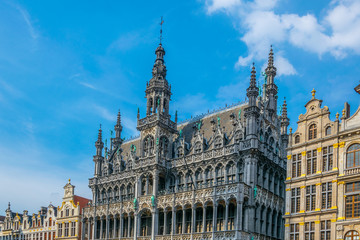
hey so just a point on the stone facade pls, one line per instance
(323, 180)
(68, 222)
(45, 224)
(216, 176)
(39, 226)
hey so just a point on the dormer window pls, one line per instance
(297, 139)
(218, 142)
(312, 131)
(197, 147)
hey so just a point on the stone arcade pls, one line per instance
(217, 176)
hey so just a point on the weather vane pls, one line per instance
(161, 23)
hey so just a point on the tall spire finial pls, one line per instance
(313, 93)
(161, 23)
(9, 206)
(118, 118)
(100, 134)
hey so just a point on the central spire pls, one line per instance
(158, 91)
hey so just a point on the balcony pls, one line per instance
(352, 171)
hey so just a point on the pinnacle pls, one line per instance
(118, 122)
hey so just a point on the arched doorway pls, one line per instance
(352, 235)
(145, 223)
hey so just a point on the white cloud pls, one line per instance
(337, 33)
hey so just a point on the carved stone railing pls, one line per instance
(269, 199)
(352, 171)
(198, 157)
(156, 117)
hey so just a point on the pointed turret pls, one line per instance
(284, 119)
(271, 88)
(253, 90)
(98, 157)
(99, 144)
(118, 129)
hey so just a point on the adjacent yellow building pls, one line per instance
(68, 222)
(323, 175)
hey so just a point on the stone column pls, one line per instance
(136, 226)
(129, 226)
(82, 229)
(173, 221)
(204, 219)
(318, 197)
(121, 223)
(334, 194)
(107, 227)
(302, 199)
(214, 219)
(239, 213)
(183, 221)
(193, 219)
(114, 226)
(165, 222)
(154, 223)
(226, 215)
(94, 229)
(88, 230)
(341, 201)
(101, 228)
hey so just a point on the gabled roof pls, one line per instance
(81, 200)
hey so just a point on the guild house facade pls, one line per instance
(323, 175)
(49, 223)
(216, 176)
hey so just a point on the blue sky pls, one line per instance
(67, 66)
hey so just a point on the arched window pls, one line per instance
(164, 146)
(231, 172)
(312, 131)
(209, 177)
(353, 156)
(220, 175)
(148, 146)
(198, 178)
(297, 139)
(145, 223)
(180, 178)
(327, 131)
(189, 181)
(352, 235)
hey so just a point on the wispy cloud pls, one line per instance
(88, 85)
(27, 18)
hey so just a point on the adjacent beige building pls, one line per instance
(323, 175)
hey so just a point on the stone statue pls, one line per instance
(255, 191)
(152, 201)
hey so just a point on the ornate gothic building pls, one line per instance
(217, 176)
